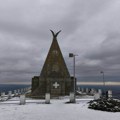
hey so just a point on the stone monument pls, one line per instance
(54, 78)
(22, 99)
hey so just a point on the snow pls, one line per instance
(57, 110)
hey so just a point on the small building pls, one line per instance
(54, 78)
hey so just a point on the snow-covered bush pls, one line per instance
(105, 104)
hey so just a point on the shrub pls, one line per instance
(105, 104)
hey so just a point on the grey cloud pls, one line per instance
(89, 29)
(110, 47)
(106, 56)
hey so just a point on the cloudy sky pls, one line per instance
(90, 28)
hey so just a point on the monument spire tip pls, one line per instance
(55, 34)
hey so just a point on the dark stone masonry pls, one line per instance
(54, 78)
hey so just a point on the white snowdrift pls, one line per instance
(57, 110)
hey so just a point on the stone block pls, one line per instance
(109, 93)
(78, 88)
(82, 89)
(96, 96)
(100, 92)
(9, 94)
(72, 97)
(22, 99)
(93, 91)
(2, 94)
(87, 90)
(47, 98)
(18, 91)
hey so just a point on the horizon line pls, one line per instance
(98, 83)
(78, 83)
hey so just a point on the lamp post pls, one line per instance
(73, 55)
(102, 72)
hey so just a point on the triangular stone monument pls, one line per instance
(54, 78)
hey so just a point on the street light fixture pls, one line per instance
(73, 55)
(102, 72)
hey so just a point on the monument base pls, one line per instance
(56, 87)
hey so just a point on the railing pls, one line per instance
(11, 94)
(93, 91)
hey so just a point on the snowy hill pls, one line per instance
(57, 110)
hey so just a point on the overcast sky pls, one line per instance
(90, 28)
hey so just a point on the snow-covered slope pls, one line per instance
(57, 110)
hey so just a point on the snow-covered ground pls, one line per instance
(57, 110)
